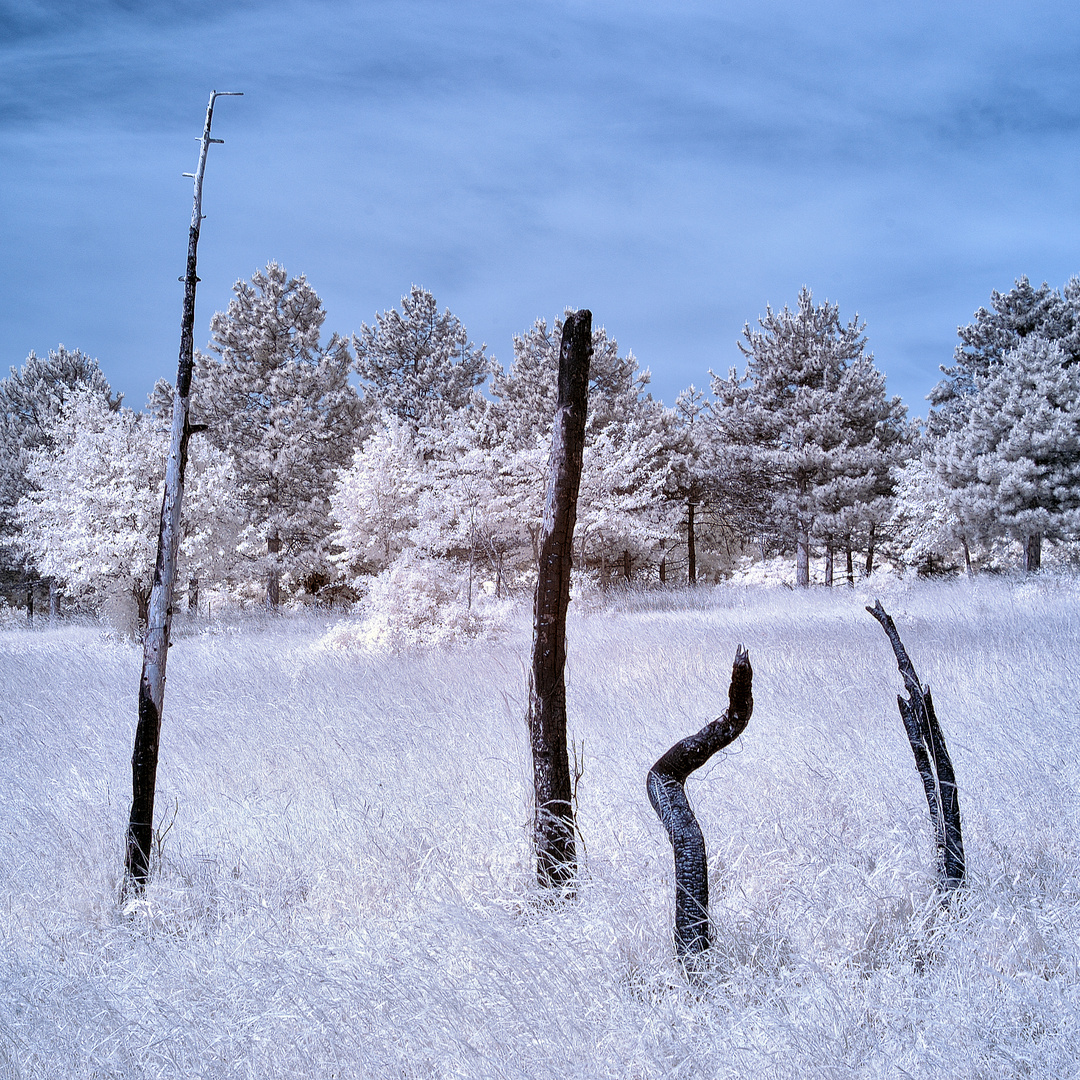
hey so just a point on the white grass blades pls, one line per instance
(342, 883)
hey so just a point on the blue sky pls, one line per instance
(673, 166)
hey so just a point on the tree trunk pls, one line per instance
(802, 552)
(499, 577)
(156, 645)
(931, 759)
(967, 556)
(30, 606)
(850, 568)
(663, 569)
(54, 601)
(1032, 552)
(273, 575)
(553, 827)
(627, 564)
(668, 797)
(193, 596)
(691, 544)
(870, 548)
(829, 565)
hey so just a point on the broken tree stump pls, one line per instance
(668, 797)
(931, 759)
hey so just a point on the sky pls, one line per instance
(674, 167)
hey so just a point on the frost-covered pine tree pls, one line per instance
(1012, 468)
(91, 517)
(280, 403)
(374, 500)
(31, 399)
(1013, 316)
(419, 365)
(805, 413)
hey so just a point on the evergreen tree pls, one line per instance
(280, 403)
(1012, 468)
(810, 412)
(31, 399)
(1021, 312)
(419, 365)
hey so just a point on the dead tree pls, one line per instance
(553, 826)
(931, 759)
(159, 616)
(668, 797)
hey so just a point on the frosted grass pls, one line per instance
(345, 889)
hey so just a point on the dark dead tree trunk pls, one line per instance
(668, 797)
(931, 759)
(156, 645)
(553, 826)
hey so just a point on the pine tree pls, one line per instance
(280, 403)
(419, 365)
(810, 412)
(1013, 467)
(31, 399)
(1022, 312)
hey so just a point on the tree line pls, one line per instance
(324, 462)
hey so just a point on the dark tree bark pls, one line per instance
(870, 548)
(156, 645)
(663, 570)
(850, 567)
(931, 759)
(668, 797)
(193, 596)
(627, 564)
(691, 544)
(1033, 552)
(967, 557)
(54, 601)
(30, 606)
(553, 828)
(829, 566)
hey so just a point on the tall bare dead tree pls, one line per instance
(156, 646)
(553, 828)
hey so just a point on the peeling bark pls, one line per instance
(665, 785)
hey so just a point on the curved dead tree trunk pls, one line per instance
(553, 827)
(931, 759)
(668, 797)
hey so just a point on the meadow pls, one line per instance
(343, 881)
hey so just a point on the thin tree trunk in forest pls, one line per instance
(931, 759)
(665, 785)
(30, 606)
(691, 544)
(273, 574)
(850, 569)
(829, 565)
(193, 596)
(663, 570)
(870, 548)
(627, 564)
(156, 646)
(802, 552)
(54, 601)
(1032, 552)
(553, 826)
(967, 556)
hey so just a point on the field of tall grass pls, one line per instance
(342, 880)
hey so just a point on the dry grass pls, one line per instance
(345, 886)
